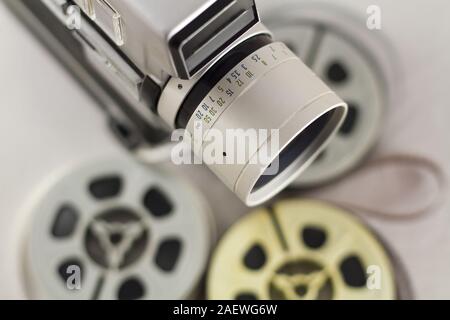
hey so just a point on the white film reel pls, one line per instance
(341, 53)
(114, 229)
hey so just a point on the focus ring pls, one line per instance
(242, 76)
(215, 74)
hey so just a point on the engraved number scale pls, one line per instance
(235, 82)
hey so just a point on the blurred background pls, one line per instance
(379, 225)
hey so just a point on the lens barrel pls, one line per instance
(261, 85)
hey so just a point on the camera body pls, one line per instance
(172, 38)
(133, 48)
(198, 63)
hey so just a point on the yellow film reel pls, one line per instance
(300, 249)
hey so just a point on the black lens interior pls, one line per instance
(294, 150)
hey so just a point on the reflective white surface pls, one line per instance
(47, 122)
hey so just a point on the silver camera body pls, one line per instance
(172, 38)
(196, 61)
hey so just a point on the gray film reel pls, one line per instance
(341, 53)
(128, 231)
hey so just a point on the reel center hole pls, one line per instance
(117, 238)
(301, 279)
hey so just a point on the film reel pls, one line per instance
(114, 229)
(301, 250)
(340, 52)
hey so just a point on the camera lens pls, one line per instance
(261, 85)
